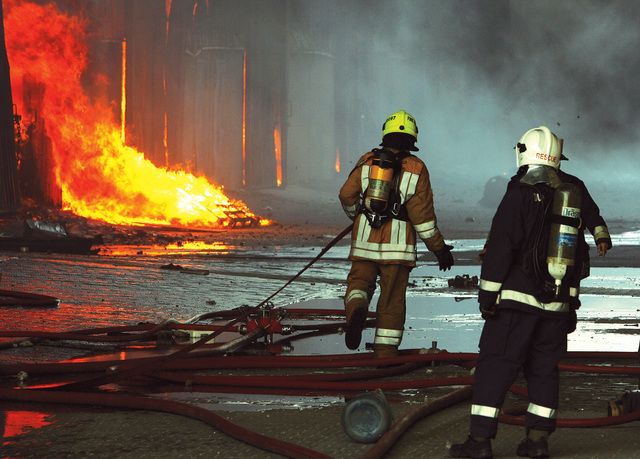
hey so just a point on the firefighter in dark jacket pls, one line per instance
(388, 195)
(529, 293)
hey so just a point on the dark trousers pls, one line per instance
(511, 341)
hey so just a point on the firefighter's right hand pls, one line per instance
(488, 310)
(445, 259)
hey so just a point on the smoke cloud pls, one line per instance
(477, 74)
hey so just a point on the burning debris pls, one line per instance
(46, 229)
(73, 147)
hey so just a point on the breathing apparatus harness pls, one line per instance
(552, 258)
(381, 199)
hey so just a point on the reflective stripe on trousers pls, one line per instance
(388, 336)
(541, 411)
(486, 411)
(356, 293)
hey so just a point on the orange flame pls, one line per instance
(277, 140)
(99, 175)
(337, 160)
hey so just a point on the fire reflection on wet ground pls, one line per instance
(18, 422)
(127, 285)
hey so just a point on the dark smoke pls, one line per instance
(477, 74)
(571, 62)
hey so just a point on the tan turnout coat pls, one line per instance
(395, 240)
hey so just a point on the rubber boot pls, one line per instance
(535, 445)
(476, 448)
(356, 313)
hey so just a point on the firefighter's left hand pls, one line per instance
(445, 259)
(488, 310)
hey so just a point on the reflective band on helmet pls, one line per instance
(541, 411)
(486, 411)
(574, 291)
(388, 336)
(490, 286)
(531, 300)
(356, 294)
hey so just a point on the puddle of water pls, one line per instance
(455, 325)
(250, 402)
(16, 423)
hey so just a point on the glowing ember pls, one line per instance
(99, 175)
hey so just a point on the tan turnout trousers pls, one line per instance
(391, 306)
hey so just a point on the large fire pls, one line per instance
(100, 176)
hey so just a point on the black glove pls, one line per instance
(488, 310)
(445, 259)
(573, 321)
(488, 303)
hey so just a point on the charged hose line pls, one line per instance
(125, 371)
(401, 425)
(516, 417)
(166, 368)
(312, 384)
(130, 369)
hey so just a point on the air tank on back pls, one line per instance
(563, 236)
(380, 177)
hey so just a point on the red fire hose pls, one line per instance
(167, 406)
(178, 367)
(312, 382)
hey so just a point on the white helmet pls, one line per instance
(539, 146)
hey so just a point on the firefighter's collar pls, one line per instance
(541, 174)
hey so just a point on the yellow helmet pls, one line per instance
(400, 122)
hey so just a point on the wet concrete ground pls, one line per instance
(127, 285)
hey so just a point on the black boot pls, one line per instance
(530, 448)
(354, 328)
(472, 448)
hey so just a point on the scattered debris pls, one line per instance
(464, 281)
(15, 298)
(172, 267)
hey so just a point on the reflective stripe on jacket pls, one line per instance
(512, 233)
(395, 240)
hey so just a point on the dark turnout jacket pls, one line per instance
(505, 278)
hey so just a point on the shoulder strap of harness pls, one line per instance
(395, 209)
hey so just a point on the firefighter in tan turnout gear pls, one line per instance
(388, 195)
